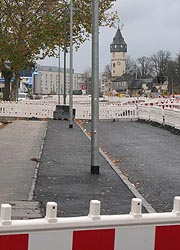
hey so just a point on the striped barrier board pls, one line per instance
(134, 231)
(125, 238)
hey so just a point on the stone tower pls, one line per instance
(118, 49)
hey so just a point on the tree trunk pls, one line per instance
(15, 85)
(6, 90)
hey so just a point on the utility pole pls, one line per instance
(59, 82)
(71, 68)
(65, 49)
(172, 86)
(95, 88)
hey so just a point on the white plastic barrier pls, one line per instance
(169, 117)
(177, 118)
(162, 114)
(83, 111)
(26, 110)
(156, 114)
(106, 111)
(119, 112)
(134, 231)
(166, 113)
(143, 112)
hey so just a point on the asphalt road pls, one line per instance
(64, 175)
(148, 155)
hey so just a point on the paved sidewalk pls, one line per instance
(64, 175)
(21, 141)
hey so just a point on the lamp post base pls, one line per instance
(94, 169)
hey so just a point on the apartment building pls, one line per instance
(50, 80)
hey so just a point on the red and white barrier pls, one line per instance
(125, 238)
(134, 231)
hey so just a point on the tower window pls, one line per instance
(114, 65)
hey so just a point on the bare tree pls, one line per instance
(144, 67)
(131, 67)
(107, 71)
(160, 65)
(178, 68)
(172, 78)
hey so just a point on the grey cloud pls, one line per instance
(149, 26)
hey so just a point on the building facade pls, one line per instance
(104, 82)
(49, 80)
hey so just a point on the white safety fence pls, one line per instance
(83, 110)
(151, 113)
(133, 231)
(160, 111)
(107, 111)
(117, 111)
(165, 114)
(26, 110)
(177, 119)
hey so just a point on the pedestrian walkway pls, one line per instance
(21, 143)
(64, 175)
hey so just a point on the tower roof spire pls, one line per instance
(118, 44)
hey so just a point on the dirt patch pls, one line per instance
(4, 123)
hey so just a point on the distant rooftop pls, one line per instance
(51, 69)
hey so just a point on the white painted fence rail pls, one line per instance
(133, 231)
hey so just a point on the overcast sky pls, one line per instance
(149, 26)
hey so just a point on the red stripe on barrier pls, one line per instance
(167, 237)
(14, 242)
(94, 239)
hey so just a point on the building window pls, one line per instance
(114, 65)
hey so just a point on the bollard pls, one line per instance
(94, 209)
(176, 206)
(136, 207)
(5, 216)
(51, 212)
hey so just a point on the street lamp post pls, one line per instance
(35, 74)
(95, 88)
(59, 82)
(65, 51)
(71, 68)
